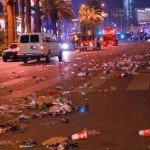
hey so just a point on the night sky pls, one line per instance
(138, 3)
(142, 3)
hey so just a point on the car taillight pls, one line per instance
(18, 48)
(42, 47)
(81, 44)
(91, 44)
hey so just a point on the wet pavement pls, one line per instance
(115, 82)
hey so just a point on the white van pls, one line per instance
(36, 46)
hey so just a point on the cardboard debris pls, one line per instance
(44, 100)
(54, 140)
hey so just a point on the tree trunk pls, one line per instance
(37, 18)
(55, 30)
(15, 23)
(6, 22)
(59, 29)
(28, 15)
(11, 29)
(46, 14)
(22, 15)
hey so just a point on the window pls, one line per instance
(48, 39)
(24, 39)
(34, 38)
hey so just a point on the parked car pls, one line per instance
(109, 40)
(67, 46)
(89, 45)
(37, 46)
(10, 52)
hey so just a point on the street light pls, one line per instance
(82, 5)
(103, 5)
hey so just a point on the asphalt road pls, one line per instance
(119, 103)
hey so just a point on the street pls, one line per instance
(115, 81)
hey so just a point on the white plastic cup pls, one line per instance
(144, 132)
(80, 135)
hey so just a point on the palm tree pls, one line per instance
(22, 15)
(9, 21)
(57, 10)
(37, 17)
(44, 11)
(28, 15)
(6, 21)
(93, 3)
(90, 17)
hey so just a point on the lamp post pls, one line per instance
(104, 6)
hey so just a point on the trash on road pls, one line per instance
(84, 134)
(39, 79)
(4, 128)
(5, 143)
(87, 104)
(53, 92)
(144, 132)
(54, 140)
(79, 135)
(64, 120)
(81, 74)
(23, 118)
(28, 143)
(44, 100)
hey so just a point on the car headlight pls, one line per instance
(65, 46)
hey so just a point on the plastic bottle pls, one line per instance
(144, 132)
(79, 135)
(33, 104)
(1, 130)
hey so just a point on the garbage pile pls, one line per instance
(38, 107)
(28, 143)
(5, 143)
(126, 65)
(59, 143)
(5, 128)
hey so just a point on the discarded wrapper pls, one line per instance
(79, 135)
(54, 140)
(144, 132)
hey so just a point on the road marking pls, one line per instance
(13, 81)
(140, 82)
(35, 88)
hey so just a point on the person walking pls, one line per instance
(98, 43)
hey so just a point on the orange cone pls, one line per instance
(144, 132)
(79, 135)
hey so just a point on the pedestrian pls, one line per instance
(98, 44)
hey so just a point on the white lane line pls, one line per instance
(140, 82)
(13, 81)
(35, 88)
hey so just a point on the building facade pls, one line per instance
(129, 12)
(143, 15)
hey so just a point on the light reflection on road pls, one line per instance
(66, 55)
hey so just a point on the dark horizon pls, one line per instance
(142, 3)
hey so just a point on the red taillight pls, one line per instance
(91, 44)
(81, 44)
(18, 48)
(42, 47)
